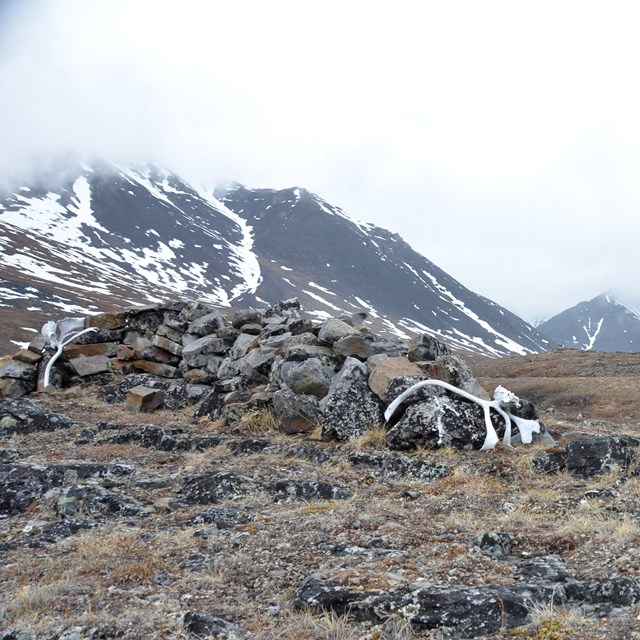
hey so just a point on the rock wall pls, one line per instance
(335, 375)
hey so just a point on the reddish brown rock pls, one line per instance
(143, 398)
(389, 368)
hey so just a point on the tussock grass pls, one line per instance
(256, 423)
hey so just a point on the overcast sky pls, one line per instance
(500, 139)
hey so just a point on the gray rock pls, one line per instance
(12, 388)
(20, 485)
(210, 488)
(364, 346)
(391, 466)
(296, 413)
(196, 354)
(384, 370)
(493, 543)
(247, 316)
(96, 500)
(204, 625)
(22, 416)
(167, 344)
(587, 457)
(309, 377)
(19, 371)
(207, 324)
(425, 348)
(350, 408)
(90, 365)
(194, 310)
(307, 490)
(333, 330)
(241, 345)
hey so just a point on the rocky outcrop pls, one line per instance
(590, 455)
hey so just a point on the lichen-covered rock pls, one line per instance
(586, 457)
(350, 408)
(363, 346)
(458, 371)
(98, 501)
(493, 543)
(207, 324)
(204, 625)
(20, 485)
(390, 466)
(437, 422)
(296, 413)
(196, 353)
(425, 347)
(208, 488)
(400, 384)
(308, 490)
(22, 416)
(247, 316)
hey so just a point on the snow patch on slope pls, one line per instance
(245, 260)
(592, 336)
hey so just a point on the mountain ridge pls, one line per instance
(108, 235)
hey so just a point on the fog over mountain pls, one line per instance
(108, 235)
(512, 166)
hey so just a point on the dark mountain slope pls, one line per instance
(331, 259)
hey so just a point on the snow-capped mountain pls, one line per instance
(104, 235)
(601, 324)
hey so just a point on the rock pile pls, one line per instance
(335, 374)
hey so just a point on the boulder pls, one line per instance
(350, 408)
(437, 422)
(22, 416)
(207, 324)
(17, 370)
(493, 543)
(425, 348)
(95, 500)
(157, 369)
(27, 356)
(12, 388)
(20, 485)
(390, 466)
(196, 353)
(309, 377)
(247, 316)
(587, 457)
(241, 346)
(386, 370)
(364, 346)
(194, 310)
(333, 330)
(307, 490)
(205, 625)
(108, 349)
(296, 413)
(167, 345)
(109, 320)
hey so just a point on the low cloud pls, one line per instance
(510, 164)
